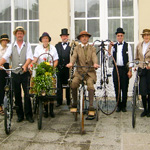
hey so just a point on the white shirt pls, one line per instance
(40, 50)
(29, 54)
(65, 45)
(145, 46)
(119, 60)
(2, 52)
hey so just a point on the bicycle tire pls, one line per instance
(105, 92)
(40, 113)
(134, 100)
(81, 111)
(97, 109)
(7, 115)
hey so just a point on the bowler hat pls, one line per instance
(64, 32)
(4, 37)
(120, 30)
(145, 31)
(83, 33)
(45, 34)
(19, 28)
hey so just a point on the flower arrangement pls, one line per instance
(45, 79)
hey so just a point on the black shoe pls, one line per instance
(118, 109)
(20, 119)
(148, 114)
(30, 119)
(143, 114)
(124, 109)
(52, 114)
(45, 114)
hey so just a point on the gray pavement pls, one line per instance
(112, 132)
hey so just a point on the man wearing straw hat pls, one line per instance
(20, 53)
(84, 55)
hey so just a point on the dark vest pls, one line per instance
(124, 53)
(64, 55)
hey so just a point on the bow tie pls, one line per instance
(64, 43)
(119, 43)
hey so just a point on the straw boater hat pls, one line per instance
(83, 33)
(19, 28)
(146, 32)
(45, 34)
(4, 37)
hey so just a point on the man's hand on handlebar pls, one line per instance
(96, 66)
(69, 65)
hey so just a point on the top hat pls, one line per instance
(45, 34)
(120, 30)
(83, 33)
(19, 28)
(64, 32)
(146, 32)
(4, 37)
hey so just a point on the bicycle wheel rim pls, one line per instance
(40, 113)
(105, 93)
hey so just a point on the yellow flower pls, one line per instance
(47, 63)
(48, 73)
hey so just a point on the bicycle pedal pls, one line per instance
(91, 113)
(73, 110)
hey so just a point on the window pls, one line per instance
(101, 18)
(20, 13)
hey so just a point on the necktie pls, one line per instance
(119, 43)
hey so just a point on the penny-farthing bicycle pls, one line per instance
(105, 92)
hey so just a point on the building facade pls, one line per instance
(98, 17)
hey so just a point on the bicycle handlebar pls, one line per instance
(137, 62)
(20, 66)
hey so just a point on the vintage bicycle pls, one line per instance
(82, 105)
(105, 88)
(43, 85)
(8, 99)
(136, 101)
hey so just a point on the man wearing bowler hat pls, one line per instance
(63, 50)
(122, 54)
(20, 52)
(84, 55)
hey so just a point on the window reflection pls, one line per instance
(79, 26)
(20, 9)
(79, 8)
(93, 8)
(33, 9)
(5, 10)
(113, 8)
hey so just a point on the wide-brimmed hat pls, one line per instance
(19, 28)
(64, 32)
(45, 34)
(4, 37)
(83, 33)
(120, 30)
(145, 31)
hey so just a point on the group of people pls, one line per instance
(84, 54)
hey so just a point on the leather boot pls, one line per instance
(51, 110)
(91, 96)
(74, 96)
(148, 101)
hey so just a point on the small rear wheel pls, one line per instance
(40, 113)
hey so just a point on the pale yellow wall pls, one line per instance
(144, 19)
(53, 16)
